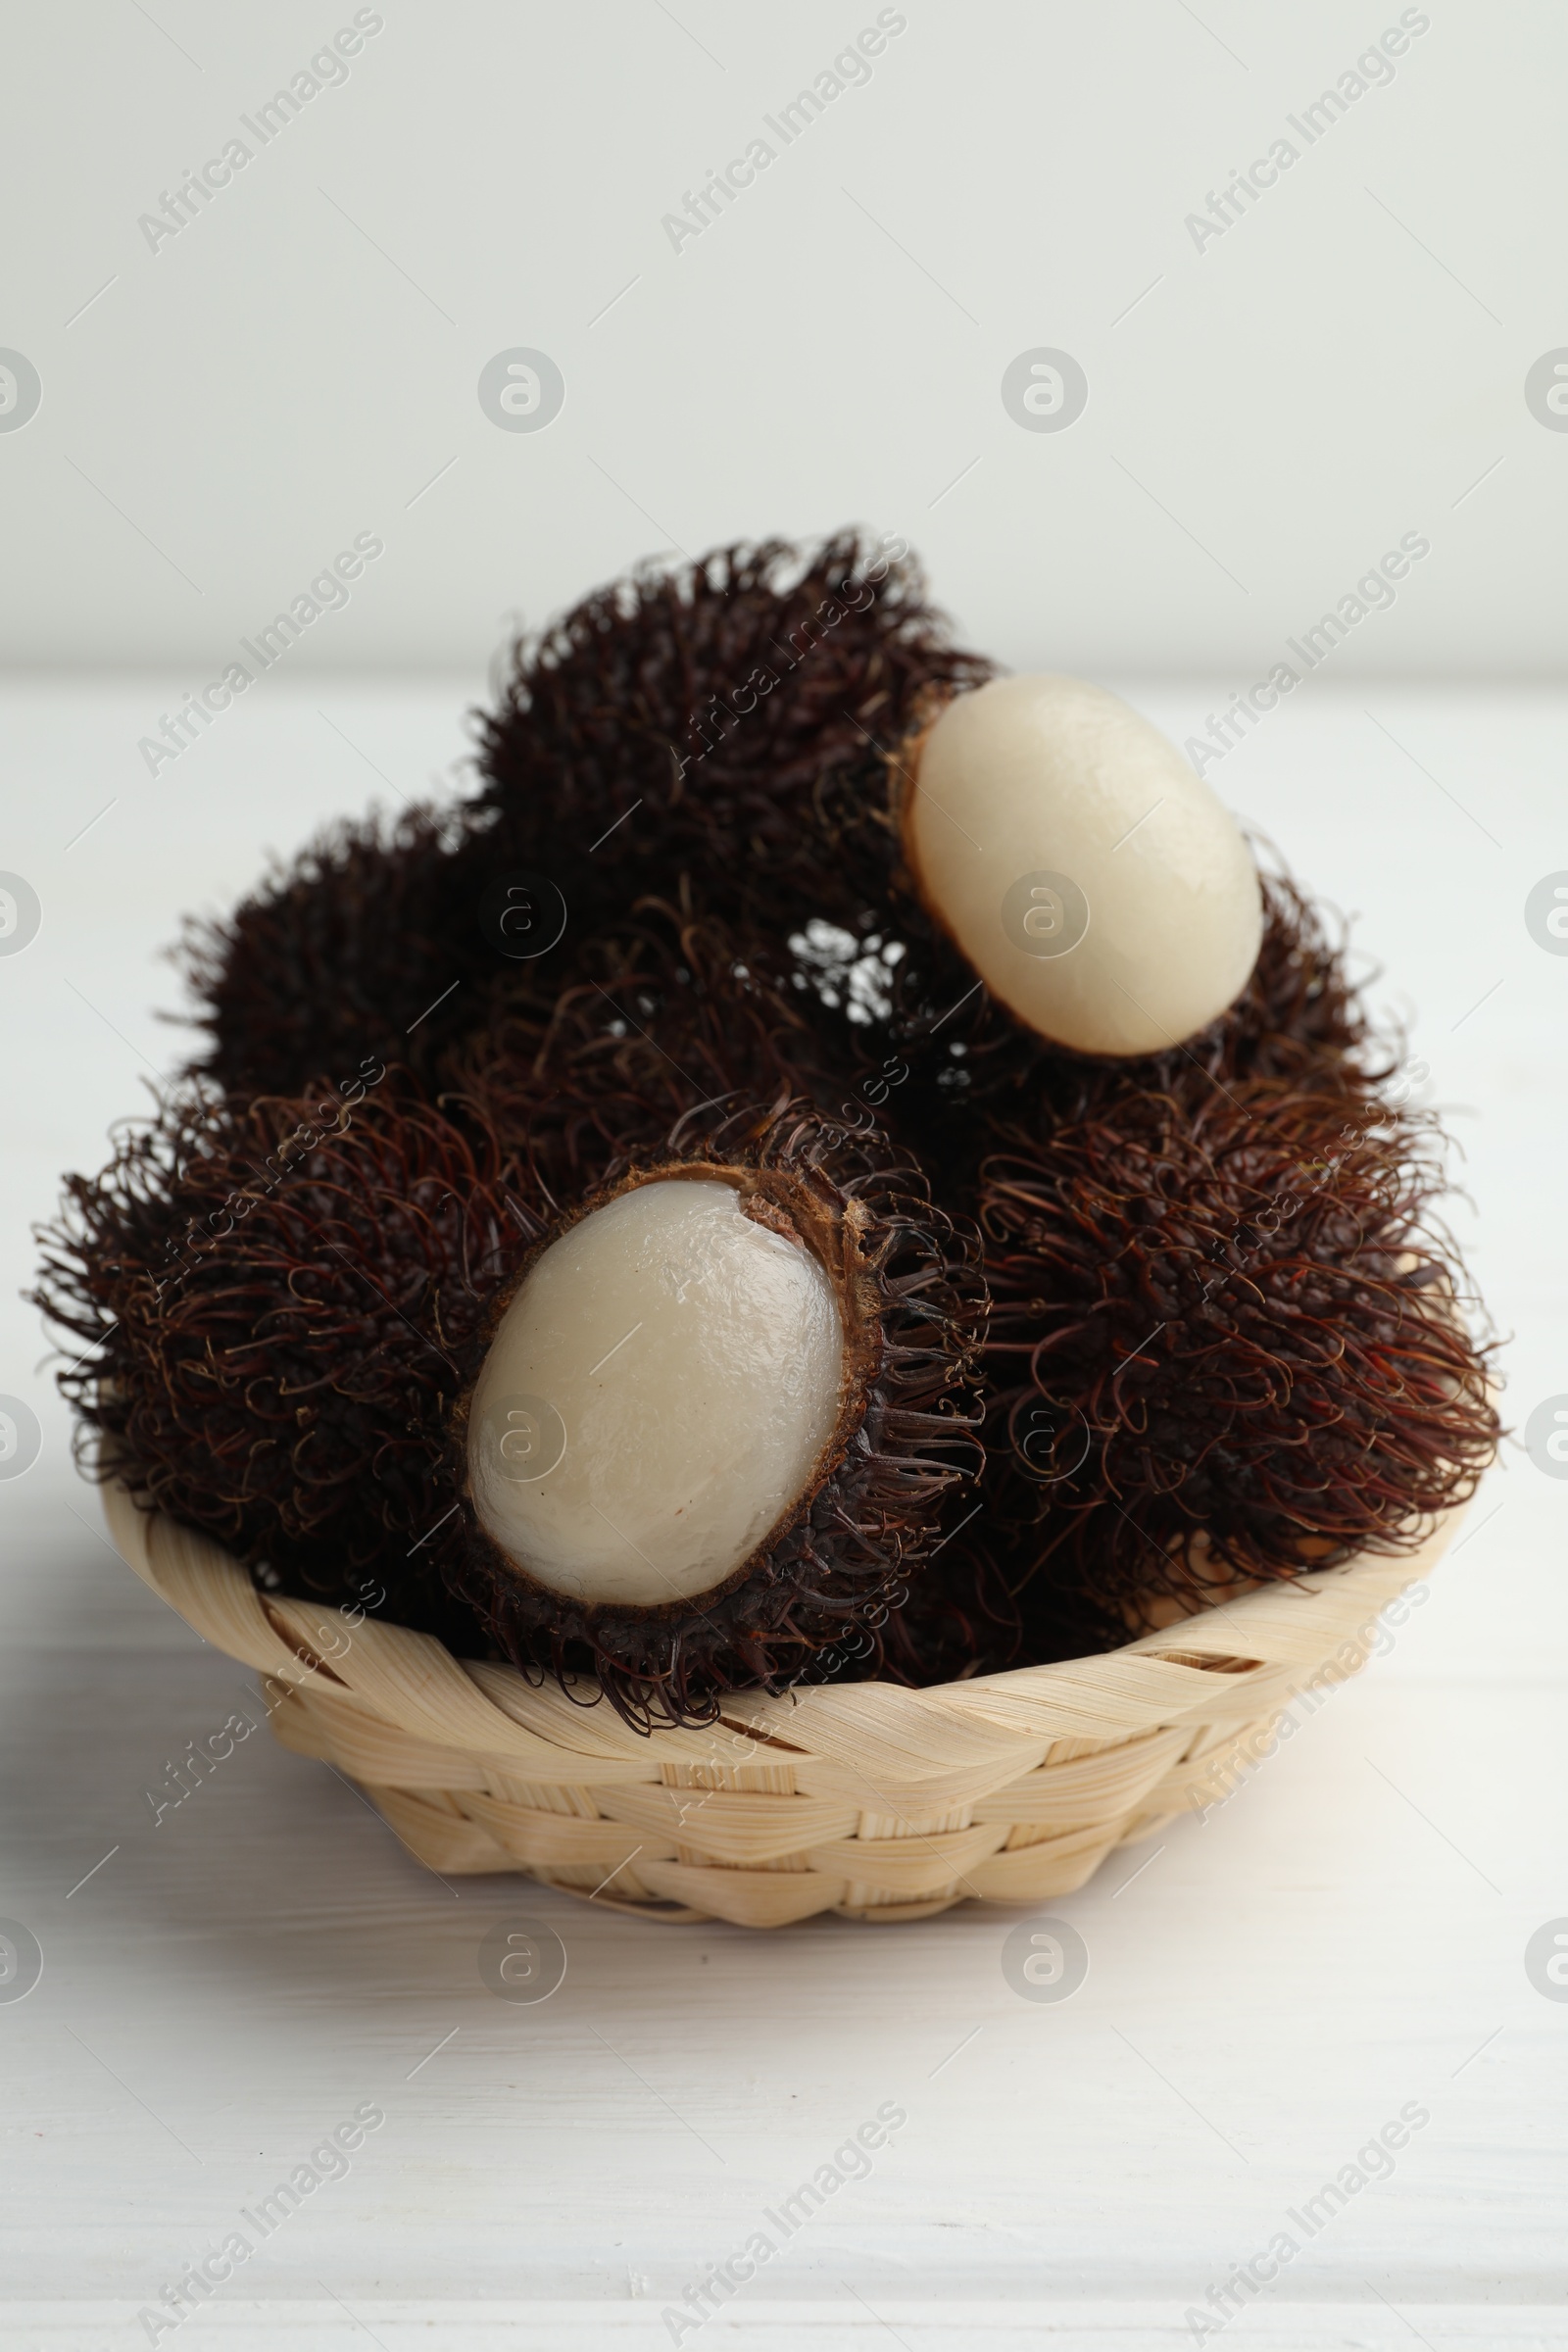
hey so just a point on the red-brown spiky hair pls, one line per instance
(725, 722)
(743, 723)
(960, 1618)
(280, 1319)
(670, 1007)
(903, 989)
(1300, 1023)
(729, 719)
(1226, 1343)
(270, 1305)
(914, 1311)
(368, 943)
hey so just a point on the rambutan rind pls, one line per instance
(914, 1311)
(1225, 1344)
(737, 712)
(284, 1324)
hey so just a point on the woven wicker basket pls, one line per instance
(868, 1799)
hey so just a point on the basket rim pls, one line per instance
(1228, 1662)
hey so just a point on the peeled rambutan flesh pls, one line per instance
(738, 1475)
(901, 995)
(326, 1348)
(1083, 869)
(693, 1289)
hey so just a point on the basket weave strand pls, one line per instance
(865, 1799)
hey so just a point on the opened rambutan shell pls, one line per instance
(287, 1323)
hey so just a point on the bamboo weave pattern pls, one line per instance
(865, 1799)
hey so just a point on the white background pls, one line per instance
(1341, 367)
(1347, 1934)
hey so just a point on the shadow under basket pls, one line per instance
(864, 1798)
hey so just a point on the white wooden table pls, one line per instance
(1268, 1988)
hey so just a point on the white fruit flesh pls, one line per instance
(656, 1398)
(1033, 784)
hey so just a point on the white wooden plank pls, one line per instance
(1344, 1936)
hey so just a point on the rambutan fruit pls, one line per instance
(906, 998)
(268, 1302)
(613, 761)
(726, 722)
(1227, 1345)
(610, 1331)
(311, 1341)
(960, 1618)
(739, 1474)
(1093, 882)
(732, 717)
(668, 1008)
(369, 942)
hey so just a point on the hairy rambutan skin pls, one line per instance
(272, 1319)
(900, 991)
(368, 942)
(960, 1618)
(615, 756)
(280, 1318)
(667, 1008)
(141, 1269)
(838, 1568)
(1300, 1023)
(731, 718)
(1226, 1343)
